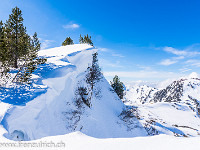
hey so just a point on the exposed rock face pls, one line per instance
(186, 91)
(171, 93)
(142, 94)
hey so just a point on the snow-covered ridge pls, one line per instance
(57, 112)
(58, 55)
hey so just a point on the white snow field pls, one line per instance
(49, 110)
(79, 141)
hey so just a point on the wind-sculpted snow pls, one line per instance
(58, 110)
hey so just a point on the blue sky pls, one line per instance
(138, 39)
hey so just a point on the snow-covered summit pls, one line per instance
(193, 75)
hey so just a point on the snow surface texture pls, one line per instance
(79, 141)
(174, 110)
(55, 112)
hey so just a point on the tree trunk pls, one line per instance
(16, 46)
(15, 63)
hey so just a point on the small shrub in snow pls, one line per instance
(72, 118)
(149, 127)
(97, 92)
(129, 119)
(82, 92)
(197, 105)
(126, 114)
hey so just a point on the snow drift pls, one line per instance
(55, 112)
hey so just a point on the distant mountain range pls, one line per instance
(174, 109)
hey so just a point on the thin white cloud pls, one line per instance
(103, 49)
(71, 26)
(180, 52)
(106, 63)
(146, 68)
(118, 55)
(178, 58)
(185, 69)
(173, 60)
(188, 52)
(167, 62)
(143, 74)
(174, 51)
(193, 62)
(112, 52)
(46, 43)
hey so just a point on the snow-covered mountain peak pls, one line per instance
(193, 75)
(177, 90)
(174, 109)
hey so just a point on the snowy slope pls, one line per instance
(55, 112)
(79, 141)
(3, 108)
(173, 110)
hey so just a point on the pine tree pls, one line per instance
(68, 41)
(21, 50)
(82, 91)
(31, 61)
(118, 86)
(17, 39)
(87, 39)
(80, 39)
(2, 43)
(93, 76)
(94, 72)
(4, 55)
